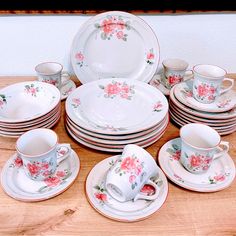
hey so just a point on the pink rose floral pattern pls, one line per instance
(32, 90)
(117, 89)
(157, 106)
(113, 27)
(197, 161)
(55, 180)
(79, 58)
(206, 91)
(100, 194)
(218, 178)
(132, 166)
(174, 79)
(75, 102)
(150, 57)
(224, 103)
(187, 92)
(3, 100)
(175, 152)
(17, 162)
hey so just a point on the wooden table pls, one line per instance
(184, 212)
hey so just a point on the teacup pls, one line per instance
(207, 83)
(175, 71)
(131, 171)
(51, 72)
(40, 152)
(200, 146)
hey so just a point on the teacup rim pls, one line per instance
(209, 77)
(177, 68)
(37, 155)
(197, 147)
(48, 62)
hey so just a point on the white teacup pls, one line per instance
(200, 146)
(207, 83)
(41, 153)
(175, 71)
(51, 72)
(131, 171)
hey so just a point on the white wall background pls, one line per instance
(199, 38)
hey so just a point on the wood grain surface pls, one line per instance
(184, 212)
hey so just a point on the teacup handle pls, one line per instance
(223, 150)
(63, 152)
(145, 197)
(66, 75)
(230, 87)
(188, 75)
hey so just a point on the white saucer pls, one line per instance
(219, 176)
(20, 187)
(129, 211)
(157, 83)
(183, 92)
(67, 88)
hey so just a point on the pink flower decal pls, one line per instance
(18, 162)
(217, 178)
(52, 181)
(34, 169)
(60, 174)
(224, 103)
(76, 102)
(114, 89)
(31, 89)
(199, 162)
(132, 166)
(174, 79)
(150, 56)
(113, 26)
(148, 190)
(79, 58)
(175, 152)
(101, 196)
(158, 106)
(206, 91)
(195, 161)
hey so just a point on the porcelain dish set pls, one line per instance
(120, 107)
(28, 105)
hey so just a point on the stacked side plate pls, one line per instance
(107, 114)
(28, 105)
(220, 115)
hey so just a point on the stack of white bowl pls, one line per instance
(220, 115)
(28, 105)
(108, 114)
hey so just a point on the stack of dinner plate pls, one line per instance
(28, 105)
(220, 115)
(107, 114)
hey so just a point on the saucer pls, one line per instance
(183, 92)
(20, 187)
(128, 211)
(219, 176)
(67, 88)
(157, 83)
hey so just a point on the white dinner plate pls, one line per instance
(115, 44)
(116, 106)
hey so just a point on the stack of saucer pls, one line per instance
(28, 105)
(107, 114)
(220, 115)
